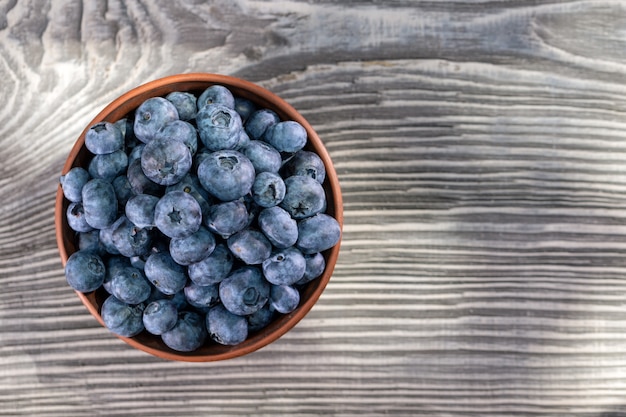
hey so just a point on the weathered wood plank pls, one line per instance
(480, 148)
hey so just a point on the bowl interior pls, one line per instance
(196, 83)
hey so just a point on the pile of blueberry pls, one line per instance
(201, 215)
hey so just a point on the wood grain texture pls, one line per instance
(481, 148)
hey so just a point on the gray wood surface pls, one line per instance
(481, 147)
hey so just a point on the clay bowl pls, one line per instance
(196, 83)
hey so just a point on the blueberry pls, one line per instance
(160, 316)
(278, 226)
(201, 296)
(140, 210)
(135, 153)
(114, 265)
(268, 189)
(242, 141)
(252, 208)
(218, 127)
(138, 262)
(99, 203)
(251, 246)
(225, 219)
(164, 273)
(125, 126)
(139, 182)
(259, 121)
(244, 107)
(264, 157)
(156, 294)
(106, 239)
(191, 185)
(244, 291)
(260, 318)
(318, 233)
(185, 104)
(165, 161)
(123, 190)
(108, 166)
(177, 214)
(193, 248)
(284, 298)
(181, 131)
(76, 218)
(188, 334)
(287, 136)
(72, 183)
(84, 271)
(315, 265)
(90, 241)
(179, 300)
(227, 174)
(305, 163)
(130, 240)
(284, 267)
(199, 157)
(304, 197)
(121, 318)
(129, 285)
(212, 269)
(225, 327)
(103, 138)
(151, 116)
(216, 94)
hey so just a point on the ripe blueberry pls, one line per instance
(84, 271)
(244, 291)
(151, 116)
(226, 174)
(225, 327)
(177, 214)
(188, 334)
(121, 318)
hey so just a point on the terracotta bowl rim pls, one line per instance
(126, 103)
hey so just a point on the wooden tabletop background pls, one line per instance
(481, 149)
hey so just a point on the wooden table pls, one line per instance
(481, 149)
